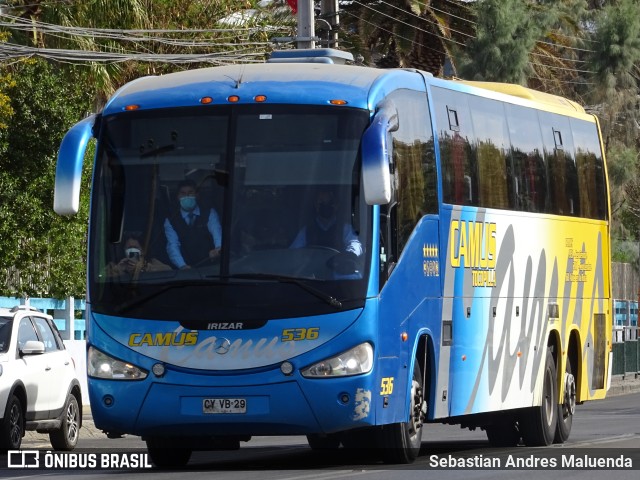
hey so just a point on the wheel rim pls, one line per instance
(15, 425)
(569, 403)
(548, 397)
(72, 423)
(418, 410)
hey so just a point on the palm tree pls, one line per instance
(112, 14)
(141, 33)
(412, 33)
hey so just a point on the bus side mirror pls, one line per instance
(376, 156)
(66, 198)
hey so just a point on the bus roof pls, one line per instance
(553, 101)
(281, 82)
(305, 83)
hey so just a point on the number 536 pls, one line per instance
(297, 334)
(386, 386)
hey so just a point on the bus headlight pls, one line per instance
(101, 365)
(356, 361)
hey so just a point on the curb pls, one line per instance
(624, 384)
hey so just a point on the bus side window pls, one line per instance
(415, 171)
(528, 164)
(456, 141)
(562, 172)
(492, 150)
(590, 166)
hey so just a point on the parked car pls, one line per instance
(39, 389)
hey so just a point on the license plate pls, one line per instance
(224, 405)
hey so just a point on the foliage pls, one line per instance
(410, 33)
(614, 60)
(506, 34)
(624, 251)
(47, 251)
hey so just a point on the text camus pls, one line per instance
(473, 246)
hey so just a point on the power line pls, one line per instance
(11, 51)
(428, 20)
(405, 23)
(395, 35)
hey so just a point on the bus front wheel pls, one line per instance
(163, 455)
(539, 423)
(324, 442)
(401, 441)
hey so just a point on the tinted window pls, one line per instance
(262, 170)
(590, 166)
(492, 147)
(499, 155)
(414, 160)
(561, 165)
(529, 182)
(5, 333)
(457, 147)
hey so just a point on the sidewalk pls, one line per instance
(620, 385)
(624, 384)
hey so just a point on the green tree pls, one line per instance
(114, 14)
(614, 61)
(411, 33)
(44, 251)
(556, 61)
(506, 34)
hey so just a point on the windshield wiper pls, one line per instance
(217, 280)
(333, 301)
(158, 151)
(169, 286)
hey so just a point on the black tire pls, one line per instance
(324, 442)
(503, 433)
(567, 406)
(12, 425)
(164, 457)
(401, 441)
(66, 437)
(538, 425)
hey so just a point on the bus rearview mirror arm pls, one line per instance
(376, 156)
(66, 199)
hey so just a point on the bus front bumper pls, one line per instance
(294, 407)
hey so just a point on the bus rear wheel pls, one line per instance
(539, 423)
(401, 441)
(568, 405)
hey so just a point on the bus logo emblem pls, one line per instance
(221, 346)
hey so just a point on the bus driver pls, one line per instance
(193, 236)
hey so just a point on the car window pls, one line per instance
(47, 336)
(26, 332)
(56, 333)
(5, 333)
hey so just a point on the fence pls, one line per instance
(68, 314)
(626, 347)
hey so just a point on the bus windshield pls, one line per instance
(243, 213)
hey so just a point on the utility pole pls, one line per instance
(306, 25)
(329, 13)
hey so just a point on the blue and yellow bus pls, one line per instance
(379, 250)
